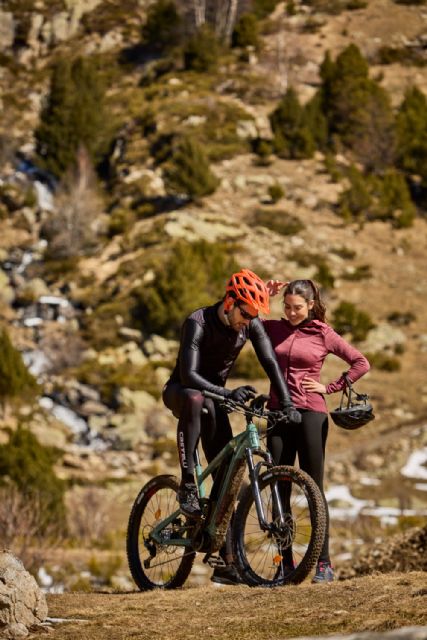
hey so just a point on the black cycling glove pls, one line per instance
(241, 394)
(291, 414)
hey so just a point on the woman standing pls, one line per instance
(301, 341)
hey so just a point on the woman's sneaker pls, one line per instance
(188, 498)
(324, 572)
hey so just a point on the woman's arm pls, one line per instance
(359, 365)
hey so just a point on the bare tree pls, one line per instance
(225, 18)
(199, 12)
(221, 15)
(72, 226)
(23, 528)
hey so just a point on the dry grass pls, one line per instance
(375, 603)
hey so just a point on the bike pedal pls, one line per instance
(214, 561)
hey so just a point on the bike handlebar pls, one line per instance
(255, 407)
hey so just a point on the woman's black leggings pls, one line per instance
(308, 440)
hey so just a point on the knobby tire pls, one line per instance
(260, 556)
(168, 566)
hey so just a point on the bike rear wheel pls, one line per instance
(152, 564)
(288, 552)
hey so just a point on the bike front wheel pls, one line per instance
(287, 550)
(154, 564)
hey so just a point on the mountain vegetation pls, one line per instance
(147, 150)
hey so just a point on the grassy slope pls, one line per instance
(376, 603)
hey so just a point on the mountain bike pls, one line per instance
(278, 527)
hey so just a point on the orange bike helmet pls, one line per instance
(248, 287)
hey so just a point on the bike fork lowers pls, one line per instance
(254, 471)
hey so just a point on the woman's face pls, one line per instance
(296, 308)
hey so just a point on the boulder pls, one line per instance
(22, 603)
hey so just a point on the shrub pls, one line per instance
(347, 319)
(16, 382)
(121, 220)
(279, 221)
(354, 202)
(275, 191)
(188, 170)
(30, 467)
(362, 272)
(246, 32)
(202, 50)
(399, 318)
(394, 200)
(263, 149)
(108, 379)
(100, 328)
(377, 198)
(193, 275)
(401, 55)
(324, 275)
(383, 362)
(344, 252)
(162, 29)
(263, 8)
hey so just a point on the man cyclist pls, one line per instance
(211, 339)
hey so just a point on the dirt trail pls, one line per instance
(373, 603)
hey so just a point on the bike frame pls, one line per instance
(244, 445)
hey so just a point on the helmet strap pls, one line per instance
(228, 304)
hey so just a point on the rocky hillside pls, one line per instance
(81, 323)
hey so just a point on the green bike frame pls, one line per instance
(240, 448)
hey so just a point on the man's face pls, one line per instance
(240, 315)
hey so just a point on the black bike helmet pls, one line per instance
(352, 414)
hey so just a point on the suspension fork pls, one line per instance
(254, 471)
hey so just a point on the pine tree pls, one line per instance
(246, 32)
(292, 136)
(411, 126)
(188, 171)
(73, 116)
(55, 145)
(358, 111)
(15, 380)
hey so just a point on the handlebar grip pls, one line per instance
(213, 396)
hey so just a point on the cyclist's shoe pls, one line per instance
(324, 573)
(188, 499)
(226, 575)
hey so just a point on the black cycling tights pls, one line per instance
(308, 440)
(213, 426)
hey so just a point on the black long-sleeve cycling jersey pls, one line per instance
(208, 349)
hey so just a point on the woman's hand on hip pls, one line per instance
(312, 385)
